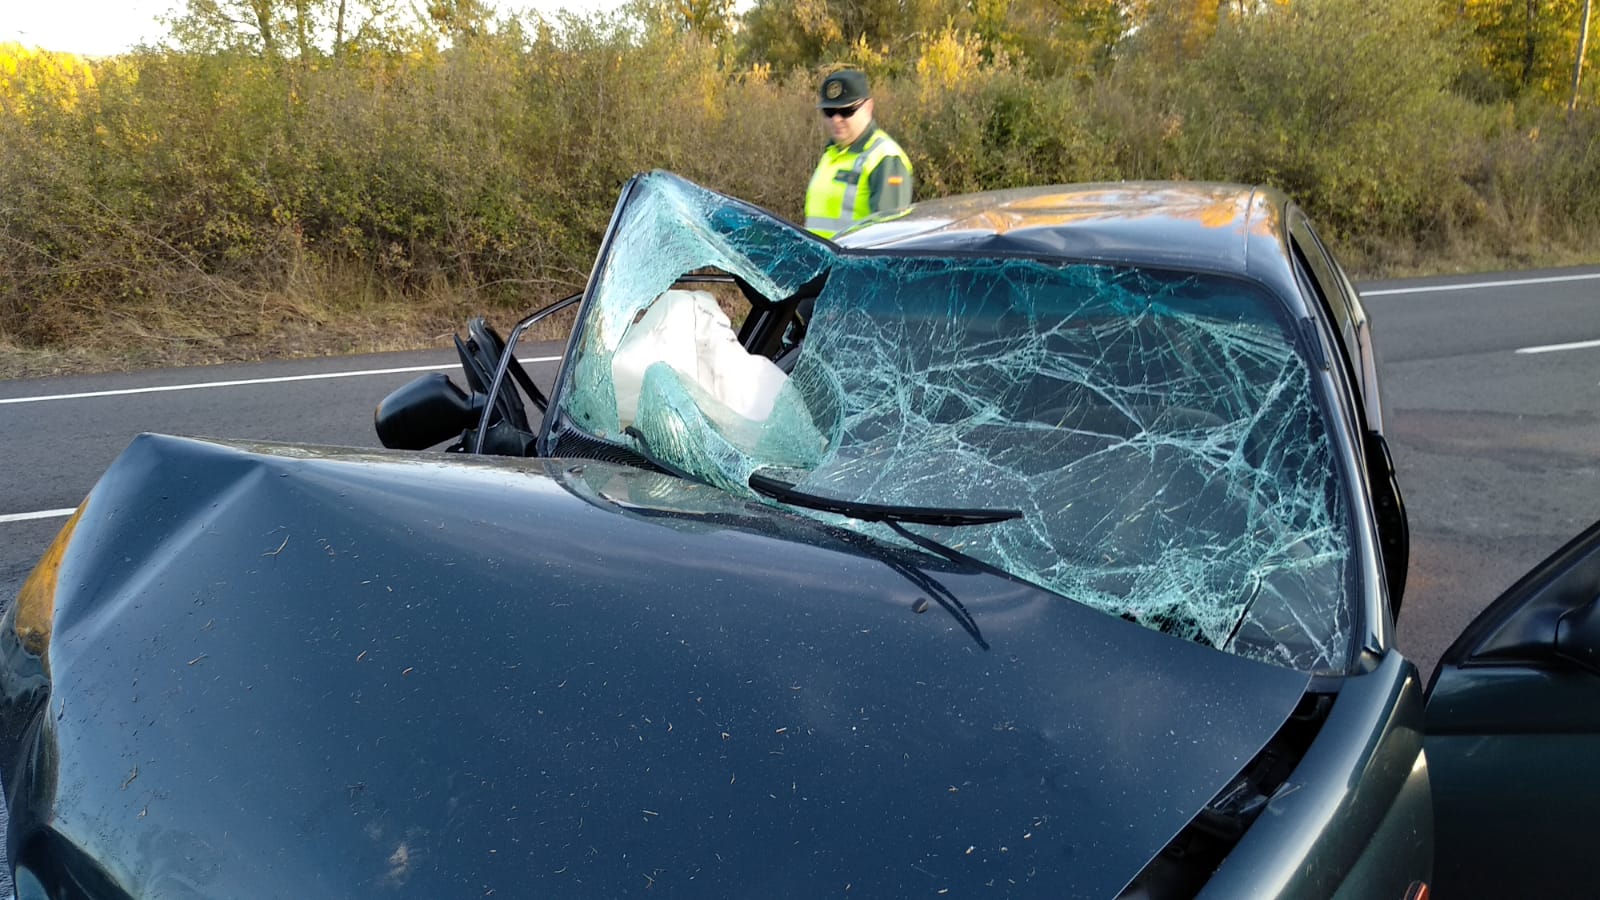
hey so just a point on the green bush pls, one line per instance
(220, 196)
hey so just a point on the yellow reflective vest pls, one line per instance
(839, 195)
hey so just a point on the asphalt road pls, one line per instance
(1492, 382)
(1493, 390)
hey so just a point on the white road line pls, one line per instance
(1480, 284)
(1556, 348)
(244, 381)
(41, 514)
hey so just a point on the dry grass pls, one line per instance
(282, 324)
(1504, 244)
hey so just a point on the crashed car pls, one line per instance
(1037, 543)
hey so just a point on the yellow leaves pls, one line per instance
(863, 55)
(947, 62)
(1172, 126)
(817, 21)
(1526, 47)
(33, 80)
(706, 89)
(759, 73)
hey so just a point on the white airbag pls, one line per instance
(688, 331)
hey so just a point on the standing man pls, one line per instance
(862, 171)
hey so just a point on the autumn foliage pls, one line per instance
(242, 184)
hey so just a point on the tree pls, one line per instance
(805, 33)
(278, 28)
(790, 34)
(1047, 37)
(710, 18)
(1524, 43)
(1053, 37)
(459, 20)
(1577, 64)
(1181, 29)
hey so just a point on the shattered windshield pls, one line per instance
(1157, 430)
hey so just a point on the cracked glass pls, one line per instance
(1158, 430)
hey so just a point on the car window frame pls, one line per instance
(1314, 270)
(1348, 336)
(1342, 303)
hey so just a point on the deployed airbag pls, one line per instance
(688, 332)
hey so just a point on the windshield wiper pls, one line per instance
(643, 449)
(896, 517)
(878, 512)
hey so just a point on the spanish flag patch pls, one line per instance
(896, 180)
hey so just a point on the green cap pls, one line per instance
(841, 89)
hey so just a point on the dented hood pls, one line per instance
(371, 675)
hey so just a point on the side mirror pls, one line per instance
(1551, 613)
(1578, 635)
(425, 411)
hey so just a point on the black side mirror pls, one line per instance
(1578, 635)
(426, 411)
(1551, 613)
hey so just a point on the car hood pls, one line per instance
(256, 670)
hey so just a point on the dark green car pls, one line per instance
(1038, 543)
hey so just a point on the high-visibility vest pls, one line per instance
(839, 196)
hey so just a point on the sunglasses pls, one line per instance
(844, 113)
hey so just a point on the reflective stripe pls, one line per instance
(853, 186)
(835, 200)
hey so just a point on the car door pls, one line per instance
(1513, 738)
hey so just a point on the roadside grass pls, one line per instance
(287, 323)
(182, 209)
(1467, 253)
(344, 312)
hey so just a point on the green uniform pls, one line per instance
(836, 198)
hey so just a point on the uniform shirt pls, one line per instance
(888, 180)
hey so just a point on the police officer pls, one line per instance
(862, 171)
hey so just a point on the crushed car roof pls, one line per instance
(1227, 228)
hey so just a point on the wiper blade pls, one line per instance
(878, 512)
(643, 449)
(936, 589)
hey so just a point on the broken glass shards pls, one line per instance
(1159, 430)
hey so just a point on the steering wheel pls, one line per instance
(480, 354)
